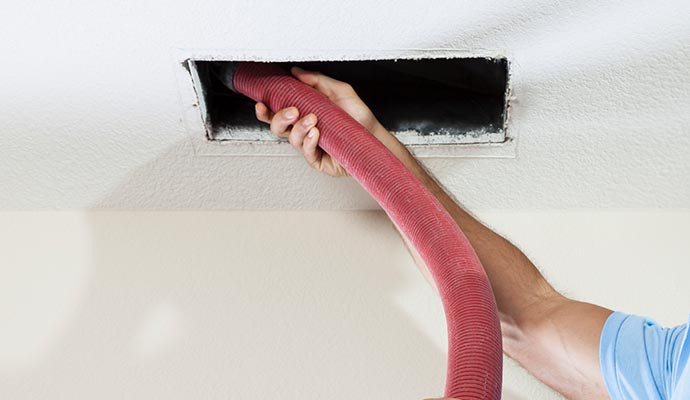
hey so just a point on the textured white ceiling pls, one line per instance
(91, 115)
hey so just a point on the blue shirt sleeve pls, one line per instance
(642, 360)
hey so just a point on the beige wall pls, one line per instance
(290, 305)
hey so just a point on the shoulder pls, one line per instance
(641, 359)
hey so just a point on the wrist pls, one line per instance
(379, 131)
(405, 156)
(393, 144)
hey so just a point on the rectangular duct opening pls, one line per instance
(422, 101)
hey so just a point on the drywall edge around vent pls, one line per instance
(193, 109)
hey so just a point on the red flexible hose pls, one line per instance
(474, 333)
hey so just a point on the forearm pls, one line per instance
(555, 338)
(515, 280)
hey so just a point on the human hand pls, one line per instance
(303, 134)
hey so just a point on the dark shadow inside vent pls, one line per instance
(455, 100)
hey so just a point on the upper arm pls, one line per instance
(557, 340)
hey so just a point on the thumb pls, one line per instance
(311, 78)
(323, 83)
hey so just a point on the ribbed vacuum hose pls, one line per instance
(474, 335)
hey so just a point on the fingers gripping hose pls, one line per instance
(474, 336)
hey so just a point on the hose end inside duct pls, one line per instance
(225, 71)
